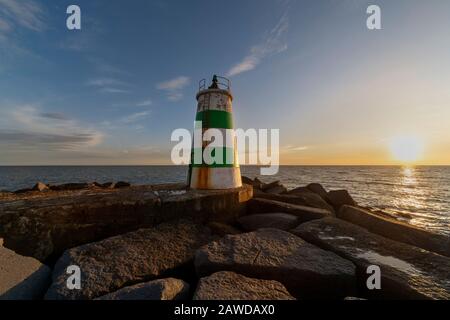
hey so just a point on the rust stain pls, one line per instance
(203, 178)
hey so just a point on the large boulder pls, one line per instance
(276, 190)
(22, 278)
(138, 256)
(222, 229)
(304, 213)
(227, 285)
(271, 254)
(306, 198)
(299, 190)
(318, 189)
(407, 272)
(270, 185)
(338, 198)
(274, 187)
(282, 221)
(258, 184)
(161, 289)
(396, 230)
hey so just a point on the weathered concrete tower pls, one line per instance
(214, 110)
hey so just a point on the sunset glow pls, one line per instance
(406, 149)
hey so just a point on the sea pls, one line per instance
(420, 195)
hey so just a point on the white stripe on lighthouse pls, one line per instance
(217, 178)
(214, 100)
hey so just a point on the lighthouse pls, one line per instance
(214, 111)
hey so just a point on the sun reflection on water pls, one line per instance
(411, 197)
(408, 176)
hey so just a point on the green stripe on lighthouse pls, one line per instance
(224, 163)
(215, 119)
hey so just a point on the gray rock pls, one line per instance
(303, 198)
(267, 186)
(227, 285)
(318, 189)
(134, 257)
(271, 254)
(258, 184)
(396, 230)
(282, 221)
(222, 229)
(21, 278)
(276, 190)
(304, 213)
(407, 272)
(121, 184)
(338, 198)
(161, 289)
(300, 190)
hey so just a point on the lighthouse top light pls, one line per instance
(218, 82)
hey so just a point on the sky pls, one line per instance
(113, 92)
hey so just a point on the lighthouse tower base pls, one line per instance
(215, 178)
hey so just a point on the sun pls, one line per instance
(406, 148)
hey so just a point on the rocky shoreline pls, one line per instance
(166, 242)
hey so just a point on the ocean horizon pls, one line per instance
(419, 195)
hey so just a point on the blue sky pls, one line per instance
(113, 92)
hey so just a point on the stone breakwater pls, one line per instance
(167, 242)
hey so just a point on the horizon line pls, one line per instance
(245, 165)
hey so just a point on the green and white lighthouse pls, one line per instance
(214, 163)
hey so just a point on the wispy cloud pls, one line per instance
(173, 87)
(144, 103)
(273, 43)
(109, 85)
(27, 128)
(113, 90)
(135, 117)
(25, 13)
(54, 116)
(102, 82)
(290, 148)
(16, 16)
(104, 67)
(174, 84)
(4, 26)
